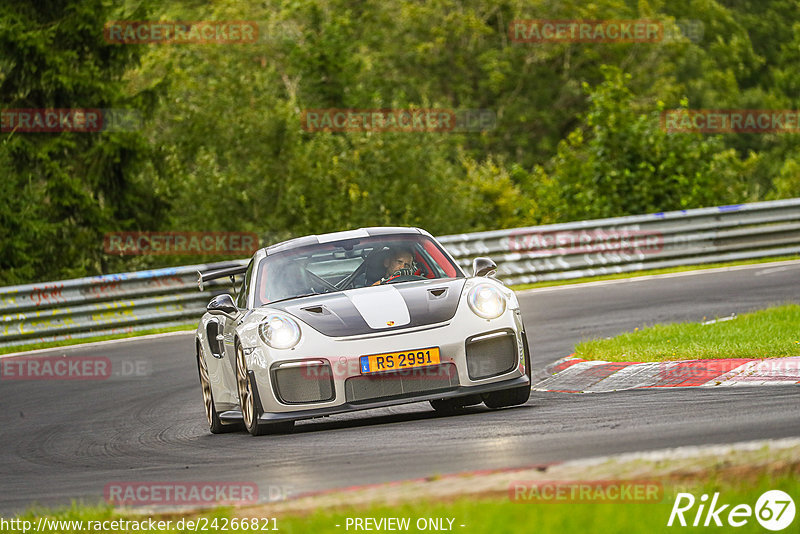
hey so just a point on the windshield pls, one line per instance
(350, 264)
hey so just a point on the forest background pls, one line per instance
(216, 143)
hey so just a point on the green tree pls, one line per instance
(62, 191)
(621, 162)
(222, 146)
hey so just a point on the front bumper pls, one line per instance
(343, 354)
(459, 391)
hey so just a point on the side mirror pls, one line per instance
(483, 267)
(222, 305)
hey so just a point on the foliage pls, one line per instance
(221, 145)
(621, 162)
(62, 191)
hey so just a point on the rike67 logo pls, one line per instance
(774, 510)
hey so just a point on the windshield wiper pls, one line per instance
(294, 297)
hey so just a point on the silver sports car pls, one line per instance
(367, 318)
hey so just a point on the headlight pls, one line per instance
(486, 301)
(279, 331)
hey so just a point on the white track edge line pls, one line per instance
(96, 343)
(655, 277)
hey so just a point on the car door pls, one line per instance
(229, 325)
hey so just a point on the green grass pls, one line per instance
(499, 514)
(770, 333)
(68, 342)
(635, 274)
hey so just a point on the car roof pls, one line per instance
(338, 236)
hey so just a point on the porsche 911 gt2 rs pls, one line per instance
(353, 320)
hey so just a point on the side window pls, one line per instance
(241, 299)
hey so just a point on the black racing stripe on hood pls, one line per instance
(335, 315)
(428, 304)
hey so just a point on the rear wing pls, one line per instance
(202, 278)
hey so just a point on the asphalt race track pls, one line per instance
(64, 440)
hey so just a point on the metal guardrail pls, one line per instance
(108, 304)
(161, 298)
(634, 243)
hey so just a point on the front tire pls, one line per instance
(250, 402)
(215, 424)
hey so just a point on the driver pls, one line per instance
(399, 262)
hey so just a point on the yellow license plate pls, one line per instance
(392, 361)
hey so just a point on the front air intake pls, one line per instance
(491, 354)
(405, 383)
(303, 382)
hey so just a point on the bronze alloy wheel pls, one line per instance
(248, 398)
(245, 391)
(215, 424)
(208, 401)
